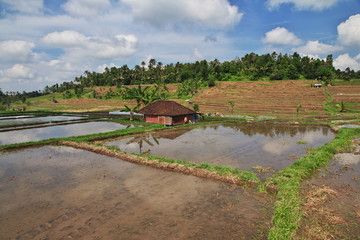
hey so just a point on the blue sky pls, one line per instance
(44, 42)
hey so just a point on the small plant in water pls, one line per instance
(262, 169)
(302, 142)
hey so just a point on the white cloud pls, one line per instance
(86, 8)
(197, 54)
(68, 38)
(314, 5)
(281, 36)
(349, 31)
(16, 51)
(315, 48)
(79, 46)
(218, 14)
(102, 67)
(16, 72)
(345, 60)
(25, 6)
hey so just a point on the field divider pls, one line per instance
(285, 184)
(203, 170)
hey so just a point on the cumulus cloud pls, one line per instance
(80, 46)
(16, 51)
(68, 38)
(25, 6)
(218, 14)
(197, 54)
(316, 47)
(344, 61)
(16, 72)
(86, 8)
(314, 5)
(349, 31)
(281, 36)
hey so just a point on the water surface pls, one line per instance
(241, 146)
(28, 120)
(37, 134)
(65, 193)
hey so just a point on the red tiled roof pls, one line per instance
(165, 108)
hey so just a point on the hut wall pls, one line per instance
(151, 119)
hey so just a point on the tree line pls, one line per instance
(192, 76)
(200, 73)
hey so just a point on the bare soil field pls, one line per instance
(278, 98)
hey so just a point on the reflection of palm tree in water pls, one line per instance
(144, 138)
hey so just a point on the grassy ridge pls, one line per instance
(287, 209)
(248, 177)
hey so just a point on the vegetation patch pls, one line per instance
(286, 183)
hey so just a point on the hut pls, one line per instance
(168, 113)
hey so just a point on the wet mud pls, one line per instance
(242, 146)
(66, 193)
(332, 199)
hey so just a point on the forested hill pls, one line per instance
(250, 67)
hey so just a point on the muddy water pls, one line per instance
(241, 146)
(36, 134)
(64, 193)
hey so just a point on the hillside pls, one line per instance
(286, 98)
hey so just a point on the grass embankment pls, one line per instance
(204, 170)
(286, 184)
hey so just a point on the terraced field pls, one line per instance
(279, 98)
(283, 99)
(350, 95)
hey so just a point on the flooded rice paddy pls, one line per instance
(56, 192)
(41, 133)
(241, 146)
(18, 120)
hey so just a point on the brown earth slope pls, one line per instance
(278, 98)
(285, 99)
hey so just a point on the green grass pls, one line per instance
(245, 176)
(301, 142)
(352, 82)
(287, 209)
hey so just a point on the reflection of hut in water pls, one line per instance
(167, 113)
(171, 134)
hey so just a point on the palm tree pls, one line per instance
(131, 110)
(142, 96)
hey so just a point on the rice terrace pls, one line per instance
(264, 160)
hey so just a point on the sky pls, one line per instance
(44, 42)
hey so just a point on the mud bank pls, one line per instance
(174, 167)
